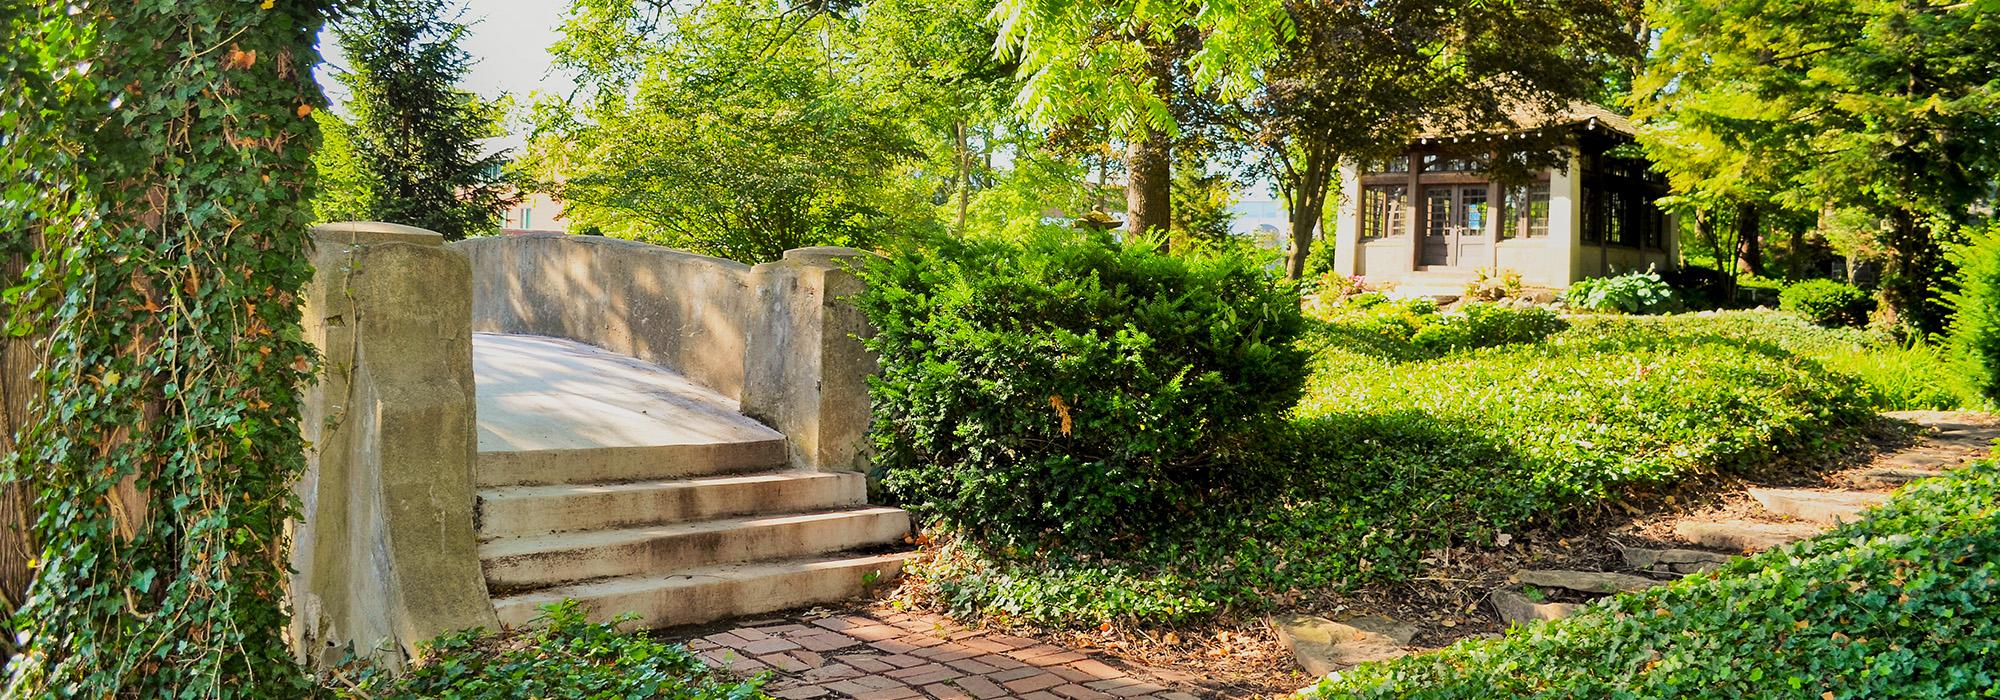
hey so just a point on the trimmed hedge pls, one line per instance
(1904, 604)
(1827, 303)
(1070, 388)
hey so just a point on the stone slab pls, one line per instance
(525, 562)
(714, 593)
(1584, 581)
(1681, 561)
(520, 511)
(1826, 507)
(1744, 535)
(1517, 608)
(1322, 646)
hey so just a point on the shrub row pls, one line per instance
(1904, 604)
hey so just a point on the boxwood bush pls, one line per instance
(1067, 387)
(1903, 604)
(1827, 302)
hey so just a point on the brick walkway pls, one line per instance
(874, 655)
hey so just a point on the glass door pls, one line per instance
(1454, 224)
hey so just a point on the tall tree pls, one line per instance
(1360, 78)
(729, 129)
(167, 165)
(1889, 107)
(414, 152)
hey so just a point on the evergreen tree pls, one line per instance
(412, 151)
(1886, 107)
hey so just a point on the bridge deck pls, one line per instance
(539, 394)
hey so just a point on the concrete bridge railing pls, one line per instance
(386, 554)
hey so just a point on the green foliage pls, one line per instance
(169, 150)
(723, 133)
(414, 151)
(1827, 302)
(1896, 376)
(1905, 604)
(1494, 285)
(1975, 325)
(1631, 293)
(561, 655)
(1413, 329)
(1876, 107)
(1395, 452)
(1067, 387)
(1201, 206)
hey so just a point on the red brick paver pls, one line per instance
(900, 656)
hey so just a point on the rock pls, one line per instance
(1925, 459)
(1322, 646)
(1744, 535)
(1891, 477)
(1680, 561)
(1518, 609)
(1585, 581)
(1540, 295)
(1828, 507)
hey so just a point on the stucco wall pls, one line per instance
(689, 313)
(384, 555)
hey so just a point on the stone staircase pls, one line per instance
(631, 489)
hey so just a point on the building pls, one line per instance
(536, 212)
(1429, 219)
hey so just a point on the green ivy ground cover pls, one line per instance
(1904, 604)
(1388, 457)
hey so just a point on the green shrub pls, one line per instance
(564, 656)
(1827, 303)
(1975, 325)
(1895, 376)
(1393, 454)
(1413, 329)
(1631, 293)
(1070, 388)
(1905, 604)
(1491, 285)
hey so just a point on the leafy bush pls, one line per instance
(1895, 376)
(1905, 603)
(1488, 285)
(1632, 293)
(565, 657)
(1393, 453)
(1068, 387)
(1413, 329)
(1827, 303)
(1975, 325)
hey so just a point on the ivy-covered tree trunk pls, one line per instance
(20, 356)
(1914, 266)
(169, 441)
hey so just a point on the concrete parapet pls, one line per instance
(385, 555)
(807, 370)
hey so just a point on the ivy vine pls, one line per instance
(164, 147)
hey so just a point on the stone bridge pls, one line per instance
(506, 422)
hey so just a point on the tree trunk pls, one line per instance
(1308, 207)
(1749, 228)
(19, 358)
(1908, 275)
(1149, 185)
(964, 177)
(1795, 263)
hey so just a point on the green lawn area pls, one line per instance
(1412, 436)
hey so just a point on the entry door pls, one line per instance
(1454, 224)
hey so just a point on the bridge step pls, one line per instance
(631, 489)
(714, 593)
(522, 511)
(530, 562)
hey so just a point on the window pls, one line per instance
(1524, 211)
(1382, 210)
(1435, 163)
(1593, 215)
(1617, 229)
(1398, 164)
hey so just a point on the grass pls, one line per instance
(1399, 449)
